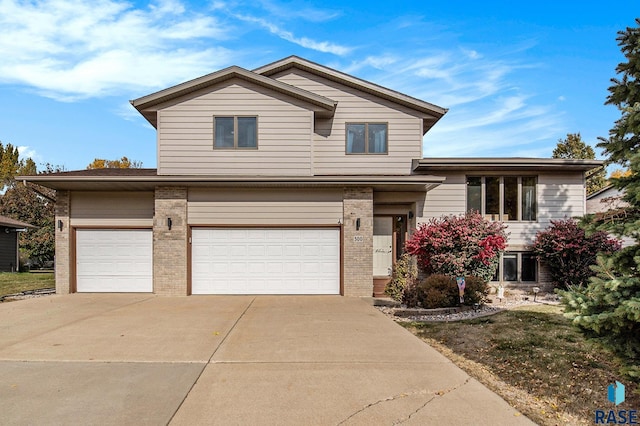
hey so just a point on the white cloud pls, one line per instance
(27, 152)
(320, 46)
(72, 49)
(298, 10)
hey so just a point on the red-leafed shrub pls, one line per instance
(459, 246)
(569, 253)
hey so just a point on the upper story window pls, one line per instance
(505, 198)
(367, 138)
(235, 132)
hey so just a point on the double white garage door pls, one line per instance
(224, 260)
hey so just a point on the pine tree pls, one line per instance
(609, 307)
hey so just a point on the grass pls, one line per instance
(536, 360)
(11, 283)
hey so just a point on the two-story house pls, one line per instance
(293, 178)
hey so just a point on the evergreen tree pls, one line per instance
(574, 147)
(609, 307)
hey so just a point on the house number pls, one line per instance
(358, 239)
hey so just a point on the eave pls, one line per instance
(323, 107)
(503, 164)
(143, 183)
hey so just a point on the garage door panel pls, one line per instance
(111, 260)
(266, 261)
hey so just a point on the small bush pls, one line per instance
(441, 291)
(412, 296)
(476, 291)
(569, 253)
(404, 273)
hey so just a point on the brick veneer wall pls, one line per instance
(63, 243)
(358, 244)
(170, 263)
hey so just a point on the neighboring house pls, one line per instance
(9, 243)
(608, 199)
(293, 178)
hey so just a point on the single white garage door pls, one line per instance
(114, 260)
(265, 261)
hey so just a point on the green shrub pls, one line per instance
(403, 274)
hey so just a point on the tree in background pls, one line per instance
(9, 163)
(573, 147)
(32, 204)
(569, 253)
(609, 306)
(618, 173)
(123, 163)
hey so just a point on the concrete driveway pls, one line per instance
(141, 359)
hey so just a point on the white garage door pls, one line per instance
(109, 260)
(266, 261)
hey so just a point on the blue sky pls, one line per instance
(516, 76)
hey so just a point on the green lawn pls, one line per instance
(11, 283)
(535, 359)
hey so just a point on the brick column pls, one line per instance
(63, 239)
(358, 243)
(170, 261)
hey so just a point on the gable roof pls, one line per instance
(432, 112)
(323, 106)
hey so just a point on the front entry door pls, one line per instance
(382, 246)
(389, 236)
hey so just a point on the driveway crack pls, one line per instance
(433, 395)
(210, 358)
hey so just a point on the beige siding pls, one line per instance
(264, 207)
(606, 200)
(185, 133)
(112, 208)
(448, 198)
(405, 129)
(559, 196)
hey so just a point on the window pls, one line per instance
(517, 267)
(366, 138)
(507, 198)
(235, 132)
